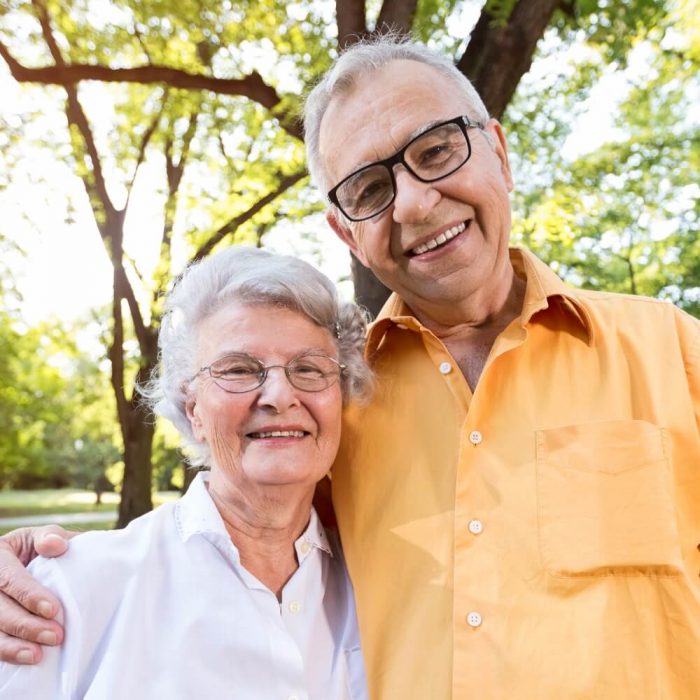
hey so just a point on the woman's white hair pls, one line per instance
(258, 277)
(360, 59)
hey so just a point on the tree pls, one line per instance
(210, 98)
(55, 414)
(623, 216)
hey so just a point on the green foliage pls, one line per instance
(56, 425)
(613, 27)
(623, 216)
(168, 463)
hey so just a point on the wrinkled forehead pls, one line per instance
(380, 111)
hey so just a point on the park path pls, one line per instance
(58, 519)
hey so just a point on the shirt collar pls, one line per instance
(196, 515)
(544, 290)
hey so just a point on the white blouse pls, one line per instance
(164, 609)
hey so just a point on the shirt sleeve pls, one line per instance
(55, 676)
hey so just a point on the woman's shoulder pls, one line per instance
(108, 558)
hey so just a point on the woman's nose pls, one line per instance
(277, 391)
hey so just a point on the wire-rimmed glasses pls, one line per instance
(238, 373)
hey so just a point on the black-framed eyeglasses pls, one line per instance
(238, 372)
(436, 153)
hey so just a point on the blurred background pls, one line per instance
(136, 136)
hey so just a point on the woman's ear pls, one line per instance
(193, 415)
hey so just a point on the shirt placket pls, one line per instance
(474, 556)
(476, 616)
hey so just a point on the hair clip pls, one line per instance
(337, 330)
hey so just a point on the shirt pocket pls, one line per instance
(604, 502)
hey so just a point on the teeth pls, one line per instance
(439, 240)
(279, 433)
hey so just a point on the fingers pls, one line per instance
(51, 540)
(22, 633)
(17, 549)
(17, 544)
(14, 651)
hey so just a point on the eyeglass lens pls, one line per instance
(239, 373)
(434, 154)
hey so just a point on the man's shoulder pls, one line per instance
(634, 304)
(646, 321)
(602, 296)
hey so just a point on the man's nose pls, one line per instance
(414, 199)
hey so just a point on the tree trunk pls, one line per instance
(499, 54)
(190, 473)
(369, 291)
(138, 444)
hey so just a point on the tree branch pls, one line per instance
(498, 56)
(251, 86)
(142, 44)
(125, 290)
(175, 170)
(47, 32)
(351, 22)
(116, 356)
(174, 173)
(145, 140)
(397, 16)
(74, 111)
(231, 226)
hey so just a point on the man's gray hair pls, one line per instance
(255, 277)
(358, 60)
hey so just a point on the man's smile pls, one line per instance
(440, 239)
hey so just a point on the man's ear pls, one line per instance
(501, 147)
(343, 231)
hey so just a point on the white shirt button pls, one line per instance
(445, 368)
(475, 527)
(475, 437)
(473, 619)
(294, 607)
(305, 547)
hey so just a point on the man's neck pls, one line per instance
(470, 328)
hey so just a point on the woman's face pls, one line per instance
(237, 427)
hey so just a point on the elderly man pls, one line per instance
(520, 505)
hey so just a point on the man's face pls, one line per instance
(381, 114)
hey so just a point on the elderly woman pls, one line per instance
(236, 590)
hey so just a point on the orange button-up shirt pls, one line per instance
(537, 539)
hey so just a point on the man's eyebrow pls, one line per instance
(414, 134)
(421, 130)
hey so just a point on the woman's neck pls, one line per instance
(264, 524)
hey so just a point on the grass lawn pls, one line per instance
(46, 501)
(60, 501)
(77, 527)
